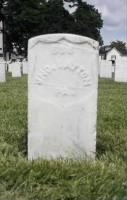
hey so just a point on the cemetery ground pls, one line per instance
(101, 179)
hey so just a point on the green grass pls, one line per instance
(101, 179)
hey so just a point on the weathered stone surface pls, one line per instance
(62, 96)
(106, 69)
(25, 67)
(2, 72)
(121, 70)
(10, 65)
(16, 69)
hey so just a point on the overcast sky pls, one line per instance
(114, 14)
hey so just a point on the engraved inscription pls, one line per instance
(63, 91)
(63, 52)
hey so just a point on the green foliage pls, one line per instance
(62, 179)
(119, 45)
(87, 19)
(24, 19)
(112, 118)
(103, 178)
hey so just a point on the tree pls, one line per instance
(21, 21)
(1, 8)
(119, 45)
(24, 19)
(87, 19)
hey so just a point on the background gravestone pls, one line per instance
(25, 67)
(10, 66)
(106, 69)
(121, 70)
(16, 69)
(62, 96)
(2, 72)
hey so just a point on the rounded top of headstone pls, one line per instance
(71, 38)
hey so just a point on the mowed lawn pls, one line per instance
(102, 179)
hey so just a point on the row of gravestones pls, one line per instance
(62, 96)
(117, 72)
(106, 70)
(16, 68)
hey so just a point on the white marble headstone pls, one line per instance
(121, 70)
(2, 72)
(16, 69)
(25, 67)
(106, 69)
(10, 67)
(62, 96)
